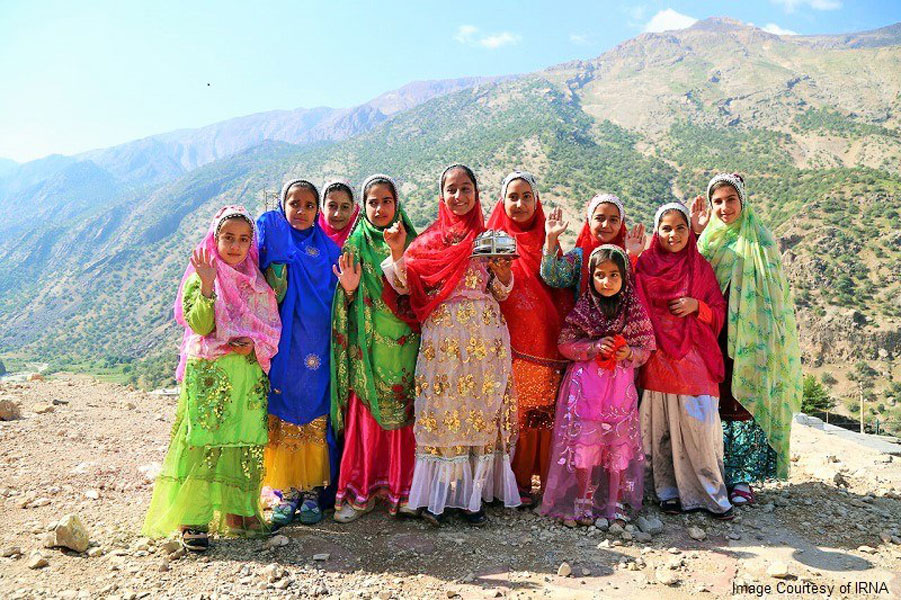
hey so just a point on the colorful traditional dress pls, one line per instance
(339, 236)
(534, 313)
(570, 270)
(301, 454)
(373, 365)
(597, 461)
(762, 389)
(214, 465)
(681, 426)
(465, 407)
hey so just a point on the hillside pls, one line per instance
(813, 123)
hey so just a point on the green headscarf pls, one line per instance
(762, 330)
(373, 352)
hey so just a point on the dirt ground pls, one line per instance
(832, 531)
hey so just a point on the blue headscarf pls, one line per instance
(299, 375)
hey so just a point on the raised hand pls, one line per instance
(396, 237)
(347, 272)
(700, 214)
(635, 240)
(502, 269)
(202, 261)
(682, 307)
(554, 225)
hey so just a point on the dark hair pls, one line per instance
(675, 210)
(305, 185)
(339, 186)
(608, 304)
(234, 217)
(377, 181)
(467, 170)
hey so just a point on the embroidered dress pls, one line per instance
(373, 365)
(597, 459)
(534, 313)
(214, 464)
(680, 419)
(760, 343)
(302, 453)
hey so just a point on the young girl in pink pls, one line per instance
(596, 459)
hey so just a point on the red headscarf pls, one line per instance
(534, 311)
(588, 242)
(662, 276)
(438, 258)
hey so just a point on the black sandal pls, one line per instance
(477, 518)
(672, 506)
(195, 540)
(435, 520)
(723, 516)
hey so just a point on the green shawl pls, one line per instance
(762, 330)
(373, 352)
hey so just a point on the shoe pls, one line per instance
(347, 513)
(405, 511)
(477, 518)
(435, 520)
(310, 513)
(195, 540)
(671, 507)
(284, 513)
(723, 516)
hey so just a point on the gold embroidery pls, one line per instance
(488, 386)
(427, 421)
(489, 316)
(428, 351)
(476, 349)
(466, 385)
(476, 421)
(500, 349)
(441, 316)
(465, 312)
(422, 385)
(441, 384)
(282, 433)
(450, 347)
(452, 420)
(472, 279)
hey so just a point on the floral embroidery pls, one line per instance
(212, 392)
(428, 351)
(476, 349)
(312, 361)
(260, 392)
(282, 433)
(312, 251)
(472, 279)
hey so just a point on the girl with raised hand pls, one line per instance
(762, 388)
(339, 211)
(597, 465)
(605, 223)
(213, 470)
(534, 313)
(301, 458)
(680, 420)
(465, 408)
(373, 365)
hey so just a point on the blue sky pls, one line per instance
(88, 74)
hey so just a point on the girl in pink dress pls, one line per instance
(596, 459)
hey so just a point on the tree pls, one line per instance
(815, 396)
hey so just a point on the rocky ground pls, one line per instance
(91, 449)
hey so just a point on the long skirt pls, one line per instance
(536, 392)
(297, 456)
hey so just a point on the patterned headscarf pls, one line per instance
(245, 305)
(588, 243)
(762, 330)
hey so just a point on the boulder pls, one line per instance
(69, 533)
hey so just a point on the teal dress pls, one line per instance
(214, 464)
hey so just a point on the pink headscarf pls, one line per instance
(245, 305)
(339, 236)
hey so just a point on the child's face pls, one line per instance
(520, 202)
(300, 208)
(459, 192)
(673, 231)
(605, 222)
(380, 205)
(339, 207)
(607, 279)
(726, 204)
(234, 240)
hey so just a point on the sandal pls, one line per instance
(477, 518)
(525, 499)
(348, 513)
(723, 516)
(195, 540)
(283, 514)
(739, 497)
(310, 513)
(433, 519)
(673, 506)
(620, 515)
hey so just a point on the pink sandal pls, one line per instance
(742, 498)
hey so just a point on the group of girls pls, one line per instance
(333, 356)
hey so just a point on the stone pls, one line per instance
(42, 409)
(651, 525)
(866, 549)
(9, 410)
(277, 541)
(170, 546)
(60, 401)
(641, 536)
(839, 480)
(163, 567)
(36, 561)
(778, 569)
(616, 529)
(92, 495)
(282, 584)
(273, 573)
(321, 557)
(95, 552)
(564, 570)
(666, 576)
(601, 523)
(69, 533)
(696, 533)
(10, 551)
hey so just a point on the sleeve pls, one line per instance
(712, 307)
(277, 278)
(579, 349)
(199, 311)
(396, 274)
(705, 315)
(561, 271)
(500, 291)
(638, 358)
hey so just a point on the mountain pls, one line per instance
(813, 124)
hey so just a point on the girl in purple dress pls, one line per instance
(596, 459)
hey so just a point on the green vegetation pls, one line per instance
(815, 396)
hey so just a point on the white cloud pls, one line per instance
(775, 29)
(793, 5)
(668, 19)
(580, 39)
(470, 36)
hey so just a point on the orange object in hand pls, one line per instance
(607, 360)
